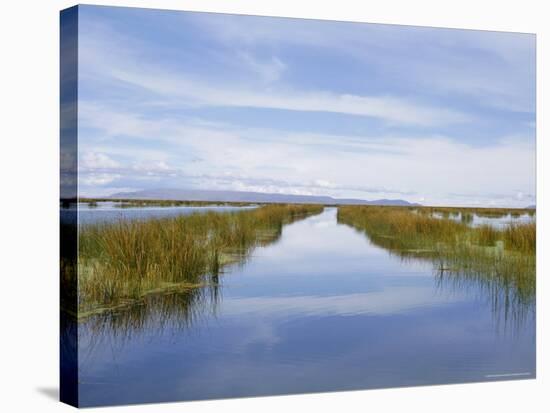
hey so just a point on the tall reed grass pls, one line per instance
(501, 258)
(482, 212)
(404, 229)
(121, 261)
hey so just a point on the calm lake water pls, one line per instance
(111, 211)
(497, 222)
(321, 309)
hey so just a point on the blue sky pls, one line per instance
(212, 101)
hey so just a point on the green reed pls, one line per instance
(405, 229)
(481, 212)
(502, 258)
(120, 262)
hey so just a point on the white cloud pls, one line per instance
(158, 143)
(269, 70)
(322, 183)
(94, 160)
(195, 92)
(435, 169)
(153, 167)
(97, 179)
(102, 191)
(446, 61)
(108, 57)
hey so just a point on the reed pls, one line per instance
(404, 229)
(481, 212)
(399, 228)
(521, 237)
(120, 262)
(502, 257)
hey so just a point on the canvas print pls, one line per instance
(257, 206)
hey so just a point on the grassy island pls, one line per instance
(120, 262)
(494, 256)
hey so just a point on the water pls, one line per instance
(502, 222)
(111, 211)
(497, 222)
(321, 309)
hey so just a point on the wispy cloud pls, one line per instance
(106, 57)
(305, 107)
(191, 154)
(496, 68)
(270, 70)
(194, 92)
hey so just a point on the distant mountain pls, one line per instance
(241, 196)
(531, 207)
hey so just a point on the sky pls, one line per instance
(350, 110)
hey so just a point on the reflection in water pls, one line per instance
(176, 308)
(512, 299)
(155, 312)
(323, 308)
(504, 279)
(179, 309)
(122, 261)
(509, 306)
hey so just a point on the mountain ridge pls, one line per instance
(249, 196)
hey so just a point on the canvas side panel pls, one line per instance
(68, 205)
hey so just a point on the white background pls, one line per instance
(29, 159)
